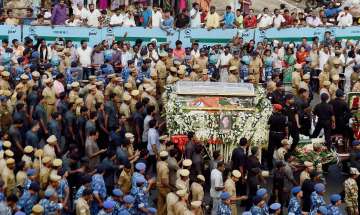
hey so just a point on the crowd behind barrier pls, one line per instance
(187, 36)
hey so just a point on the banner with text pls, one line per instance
(215, 36)
(76, 34)
(289, 34)
(135, 33)
(10, 32)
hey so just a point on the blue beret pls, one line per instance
(246, 213)
(275, 206)
(109, 204)
(257, 199)
(124, 212)
(35, 54)
(334, 198)
(295, 190)
(357, 66)
(31, 172)
(356, 142)
(49, 192)
(20, 213)
(117, 192)
(108, 57)
(225, 195)
(34, 186)
(261, 192)
(152, 210)
(129, 199)
(323, 210)
(319, 187)
(140, 179)
(19, 70)
(140, 166)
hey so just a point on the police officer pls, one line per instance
(342, 113)
(181, 206)
(49, 203)
(82, 204)
(291, 112)
(231, 189)
(317, 197)
(29, 198)
(8, 177)
(333, 207)
(295, 201)
(140, 195)
(275, 208)
(116, 196)
(326, 119)
(99, 189)
(162, 182)
(108, 209)
(224, 207)
(49, 96)
(351, 192)
(278, 131)
(197, 190)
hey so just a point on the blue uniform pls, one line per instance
(334, 210)
(141, 198)
(223, 209)
(50, 207)
(61, 188)
(133, 179)
(117, 206)
(316, 201)
(131, 211)
(294, 206)
(98, 187)
(255, 210)
(26, 202)
(27, 184)
(142, 75)
(102, 212)
(79, 192)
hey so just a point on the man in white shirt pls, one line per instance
(117, 19)
(217, 185)
(93, 16)
(80, 11)
(156, 17)
(223, 64)
(278, 19)
(264, 19)
(195, 19)
(153, 145)
(84, 55)
(313, 20)
(345, 19)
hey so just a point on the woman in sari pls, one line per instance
(289, 61)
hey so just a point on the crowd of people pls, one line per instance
(180, 14)
(83, 129)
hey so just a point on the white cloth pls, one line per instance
(84, 56)
(147, 119)
(345, 20)
(153, 139)
(216, 181)
(278, 20)
(196, 21)
(117, 20)
(93, 18)
(129, 22)
(156, 19)
(323, 58)
(265, 20)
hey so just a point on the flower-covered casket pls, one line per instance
(219, 113)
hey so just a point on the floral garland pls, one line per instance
(249, 124)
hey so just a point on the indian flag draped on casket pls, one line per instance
(219, 113)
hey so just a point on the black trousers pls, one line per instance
(326, 125)
(274, 143)
(295, 134)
